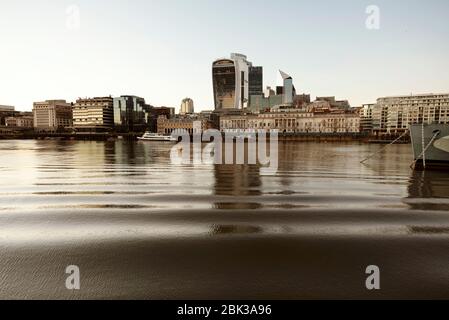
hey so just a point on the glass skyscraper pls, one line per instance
(255, 81)
(130, 114)
(224, 82)
(234, 80)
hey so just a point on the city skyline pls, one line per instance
(163, 51)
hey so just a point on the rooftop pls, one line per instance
(6, 108)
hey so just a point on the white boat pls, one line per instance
(149, 136)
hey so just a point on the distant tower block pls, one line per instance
(187, 106)
(288, 89)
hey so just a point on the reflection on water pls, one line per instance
(223, 229)
(181, 231)
(429, 230)
(54, 175)
(237, 180)
(429, 184)
(429, 190)
(313, 179)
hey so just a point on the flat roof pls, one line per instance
(6, 108)
(415, 95)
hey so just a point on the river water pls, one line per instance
(139, 227)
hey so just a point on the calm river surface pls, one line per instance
(139, 227)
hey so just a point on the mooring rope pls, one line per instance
(382, 149)
(423, 153)
(423, 143)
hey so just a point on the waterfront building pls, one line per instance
(4, 108)
(293, 121)
(52, 115)
(167, 126)
(394, 115)
(329, 105)
(155, 113)
(22, 120)
(301, 100)
(366, 118)
(232, 84)
(319, 106)
(334, 103)
(93, 114)
(131, 114)
(206, 114)
(6, 111)
(186, 106)
(380, 114)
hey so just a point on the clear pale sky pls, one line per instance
(162, 50)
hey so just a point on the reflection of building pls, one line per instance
(52, 115)
(167, 126)
(293, 121)
(93, 114)
(186, 106)
(231, 82)
(428, 184)
(130, 114)
(394, 115)
(236, 180)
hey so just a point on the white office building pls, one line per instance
(394, 115)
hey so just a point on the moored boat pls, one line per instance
(149, 136)
(430, 145)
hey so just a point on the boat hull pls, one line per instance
(158, 140)
(154, 137)
(437, 154)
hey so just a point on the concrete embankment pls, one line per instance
(303, 137)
